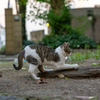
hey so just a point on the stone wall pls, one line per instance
(37, 35)
(93, 30)
(13, 33)
(17, 30)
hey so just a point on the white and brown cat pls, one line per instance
(38, 55)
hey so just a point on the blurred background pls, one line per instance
(49, 22)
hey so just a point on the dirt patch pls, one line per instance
(19, 83)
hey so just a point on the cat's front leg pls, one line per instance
(42, 69)
(67, 66)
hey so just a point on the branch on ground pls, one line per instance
(81, 72)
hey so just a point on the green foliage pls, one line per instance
(93, 64)
(97, 54)
(37, 11)
(58, 17)
(81, 56)
(2, 49)
(60, 24)
(22, 10)
(59, 20)
(75, 39)
(84, 24)
(22, 7)
(77, 57)
(27, 42)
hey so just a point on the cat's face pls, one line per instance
(66, 48)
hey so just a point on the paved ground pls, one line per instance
(7, 57)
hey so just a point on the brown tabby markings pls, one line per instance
(20, 60)
(46, 52)
(40, 67)
(32, 60)
(22, 53)
(66, 49)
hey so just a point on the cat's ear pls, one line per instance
(66, 44)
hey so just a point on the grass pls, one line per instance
(81, 56)
(77, 57)
(9, 65)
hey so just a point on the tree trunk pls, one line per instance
(81, 72)
(22, 10)
(56, 5)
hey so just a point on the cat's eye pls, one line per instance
(68, 52)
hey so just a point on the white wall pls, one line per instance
(85, 3)
(32, 26)
(2, 36)
(3, 5)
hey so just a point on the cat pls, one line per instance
(38, 55)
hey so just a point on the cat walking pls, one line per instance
(38, 55)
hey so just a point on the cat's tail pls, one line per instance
(20, 60)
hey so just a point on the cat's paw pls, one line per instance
(37, 78)
(75, 65)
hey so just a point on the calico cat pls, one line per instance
(38, 55)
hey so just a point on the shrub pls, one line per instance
(26, 42)
(60, 23)
(75, 39)
(2, 49)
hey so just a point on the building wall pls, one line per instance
(13, 33)
(37, 35)
(84, 3)
(92, 31)
(2, 36)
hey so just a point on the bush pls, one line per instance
(2, 49)
(60, 23)
(75, 39)
(26, 42)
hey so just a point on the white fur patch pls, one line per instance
(67, 66)
(66, 58)
(51, 63)
(62, 55)
(32, 52)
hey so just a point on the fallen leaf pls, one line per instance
(61, 76)
(41, 81)
(66, 78)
